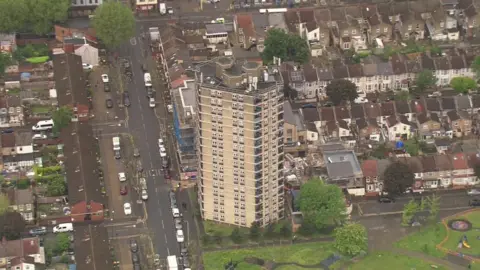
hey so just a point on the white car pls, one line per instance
(176, 212)
(473, 192)
(122, 177)
(144, 194)
(39, 137)
(180, 237)
(170, 108)
(87, 66)
(151, 103)
(105, 78)
(160, 142)
(163, 150)
(127, 209)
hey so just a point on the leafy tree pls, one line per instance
(13, 15)
(433, 204)
(321, 204)
(42, 14)
(307, 228)
(4, 204)
(236, 236)
(285, 231)
(463, 84)
(62, 243)
(5, 61)
(289, 92)
(425, 79)
(351, 239)
(56, 187)
(11, 225)
(255, 231)
(61, 118)
(409, 211)
(217, 237)
(287, 47)
(114, 23)
(23, 183)
(270, 231)
(341, 90)
(397, 178)
(476, 66)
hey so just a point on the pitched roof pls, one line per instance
(387, 108)
(398, 64)
(19, 248)
(310, 114)
(392, 121)
(327, 114)
(310, 73)
(369, 168)
(357, 111)
(418, 106)
(442, 63)
(443, 162)
(402, 106)
(340, 72)
(448, 103)
(342, 112)
(463, 102)
(453, 116)
(343, 124)
(372, 110)
(459, 161)
(355, 70)
(428, 164)
(458, 62)
(433, 104)
(422, 118)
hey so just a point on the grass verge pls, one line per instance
(386, 260)
(425, 240)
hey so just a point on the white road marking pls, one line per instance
(168, 251)
(165, 238)
(163, 225)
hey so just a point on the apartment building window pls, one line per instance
(385, 29)
(354, 32)
(410, 27)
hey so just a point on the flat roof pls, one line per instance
(343, 156)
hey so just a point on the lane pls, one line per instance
(145, 129)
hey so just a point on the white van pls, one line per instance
(148, 79)
(43, 125)
(63, 227)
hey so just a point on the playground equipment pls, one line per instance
(463, 242)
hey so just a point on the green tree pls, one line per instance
(287, 47)
(4, 204)
(61, 118)
(351, 239)
(409, 211)
(341, 90)
(463, 84)
(43, 14)
(255, 231)
(236, 236)
(62, 243)
(433, 205)
(270, 231)
(5, 61)
(12, 225)
(321, 204)
(114, 23)
(285, 231)
(425, 79)
(476, 66)
(13, 15)
(56, 187)
(397, 178)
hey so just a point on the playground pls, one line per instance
(463, 235)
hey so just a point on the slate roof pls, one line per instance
(342, 112)
(448, 103)
(357, 111)
(433, 105)
(463, 102)
(387, 108)
(402, 107)
(310, 114)
(453, 116)
(372, 110)
(327, 114)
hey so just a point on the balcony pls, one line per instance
(280, 117)
(258, 184)
(280, 149)
(280, 174)
(258, 151)
(257, 126)
(258, 216)
(280, 141)
(280, 190)
(280, 182)
(258, 208)
(258, 143)
(280, 109)
(280, 100)
(280, 166)
(258, 200)
(257, 116)
(258, 167)
(258, 192)
(258, 159)
(258, 109)
(258, 176)
(258, 134)
(257, 100)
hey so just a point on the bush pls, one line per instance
(236, 236)
(270, 231)
(286, 231)
(255, 231)
(206, 239)
(38, 60)
(23, 183)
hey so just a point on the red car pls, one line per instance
(167, 175)
(123, 190)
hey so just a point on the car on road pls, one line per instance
(127, 209)
(180, 237)
(126, 99)
(473, 192)
(144, 68)
(135, 258)
(105, 78)
(163, 152)
(385, 199)
(186, 263)
(87, 66)
(167, 175)
(178, 224)
(122, 177)
(144, 194)
(474, 202)
(183, 249)
(39, 136)
(38, 231)
(133, 246)
(109, 103)
(151, 103)
(106, 87)
(63, 227)
(136, 152)
(176, 212)
(170, 108)
(173, 200)
(123, 190)
(160, 143)
(150, 92)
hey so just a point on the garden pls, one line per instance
(32, 53)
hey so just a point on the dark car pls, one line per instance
(167, 175)
(386, 200)
(126, 99)
(135, 258)
(186, 263)
(474, 202)
(123, 190)
(109, 103)
(106, 87)
(183, 249)
(149, 92)
(133, 246)
(144, 67)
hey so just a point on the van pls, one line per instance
(148, 79)
(43, 125)
(63, 227)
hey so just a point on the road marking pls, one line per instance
(168, 251)
(165, 238)
(163, 225)
(133, 41)
(124, 237)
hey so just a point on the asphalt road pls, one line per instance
(146, 129)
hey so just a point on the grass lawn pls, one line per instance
(41, 109)
(307, 254)
(385, 260)
(222, 229)
(425, 240)
(13, 92)
(455, 236)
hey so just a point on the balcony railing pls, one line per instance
(258, 159)
(258, 151)
(258, 176)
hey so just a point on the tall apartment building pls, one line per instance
(240, 144)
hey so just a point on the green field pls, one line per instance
(455, 236)
(385, 260)
(425, 240)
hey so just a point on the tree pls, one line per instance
(13, 15)
(61, 118)
(289, 92)
(4, 204)
(476, 66)
(270, 231)
(56, 187)
(5, 61)
(255, 231)
(409, 211)
(11, 225)
(42, 14)
(397, 178)
(285, 231)
(287, 47)
(236, 236)
(114, 23)
(433, 204)
(351, 239)
(341, 90)
(463, 84)
(321, 204)
(62, 243)
(425, 79)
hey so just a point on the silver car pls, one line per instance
(178, 224)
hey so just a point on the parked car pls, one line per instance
(160, 143)
(151, 103)
(474, 202)
(122, 177)
(38, 231)
(126, 99)
(136, 152)
(123, 190)
(135, 258)
(183, 249)
(133, 246)
(180, 236)
(473, 192)
(178, 224)
(106, 87)
(385, 199)
(39, 136)
(176, 212)
(87, 66)
(105, 78)
(109, 103)
(63, 227)
(127, 209)
(144, 194)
